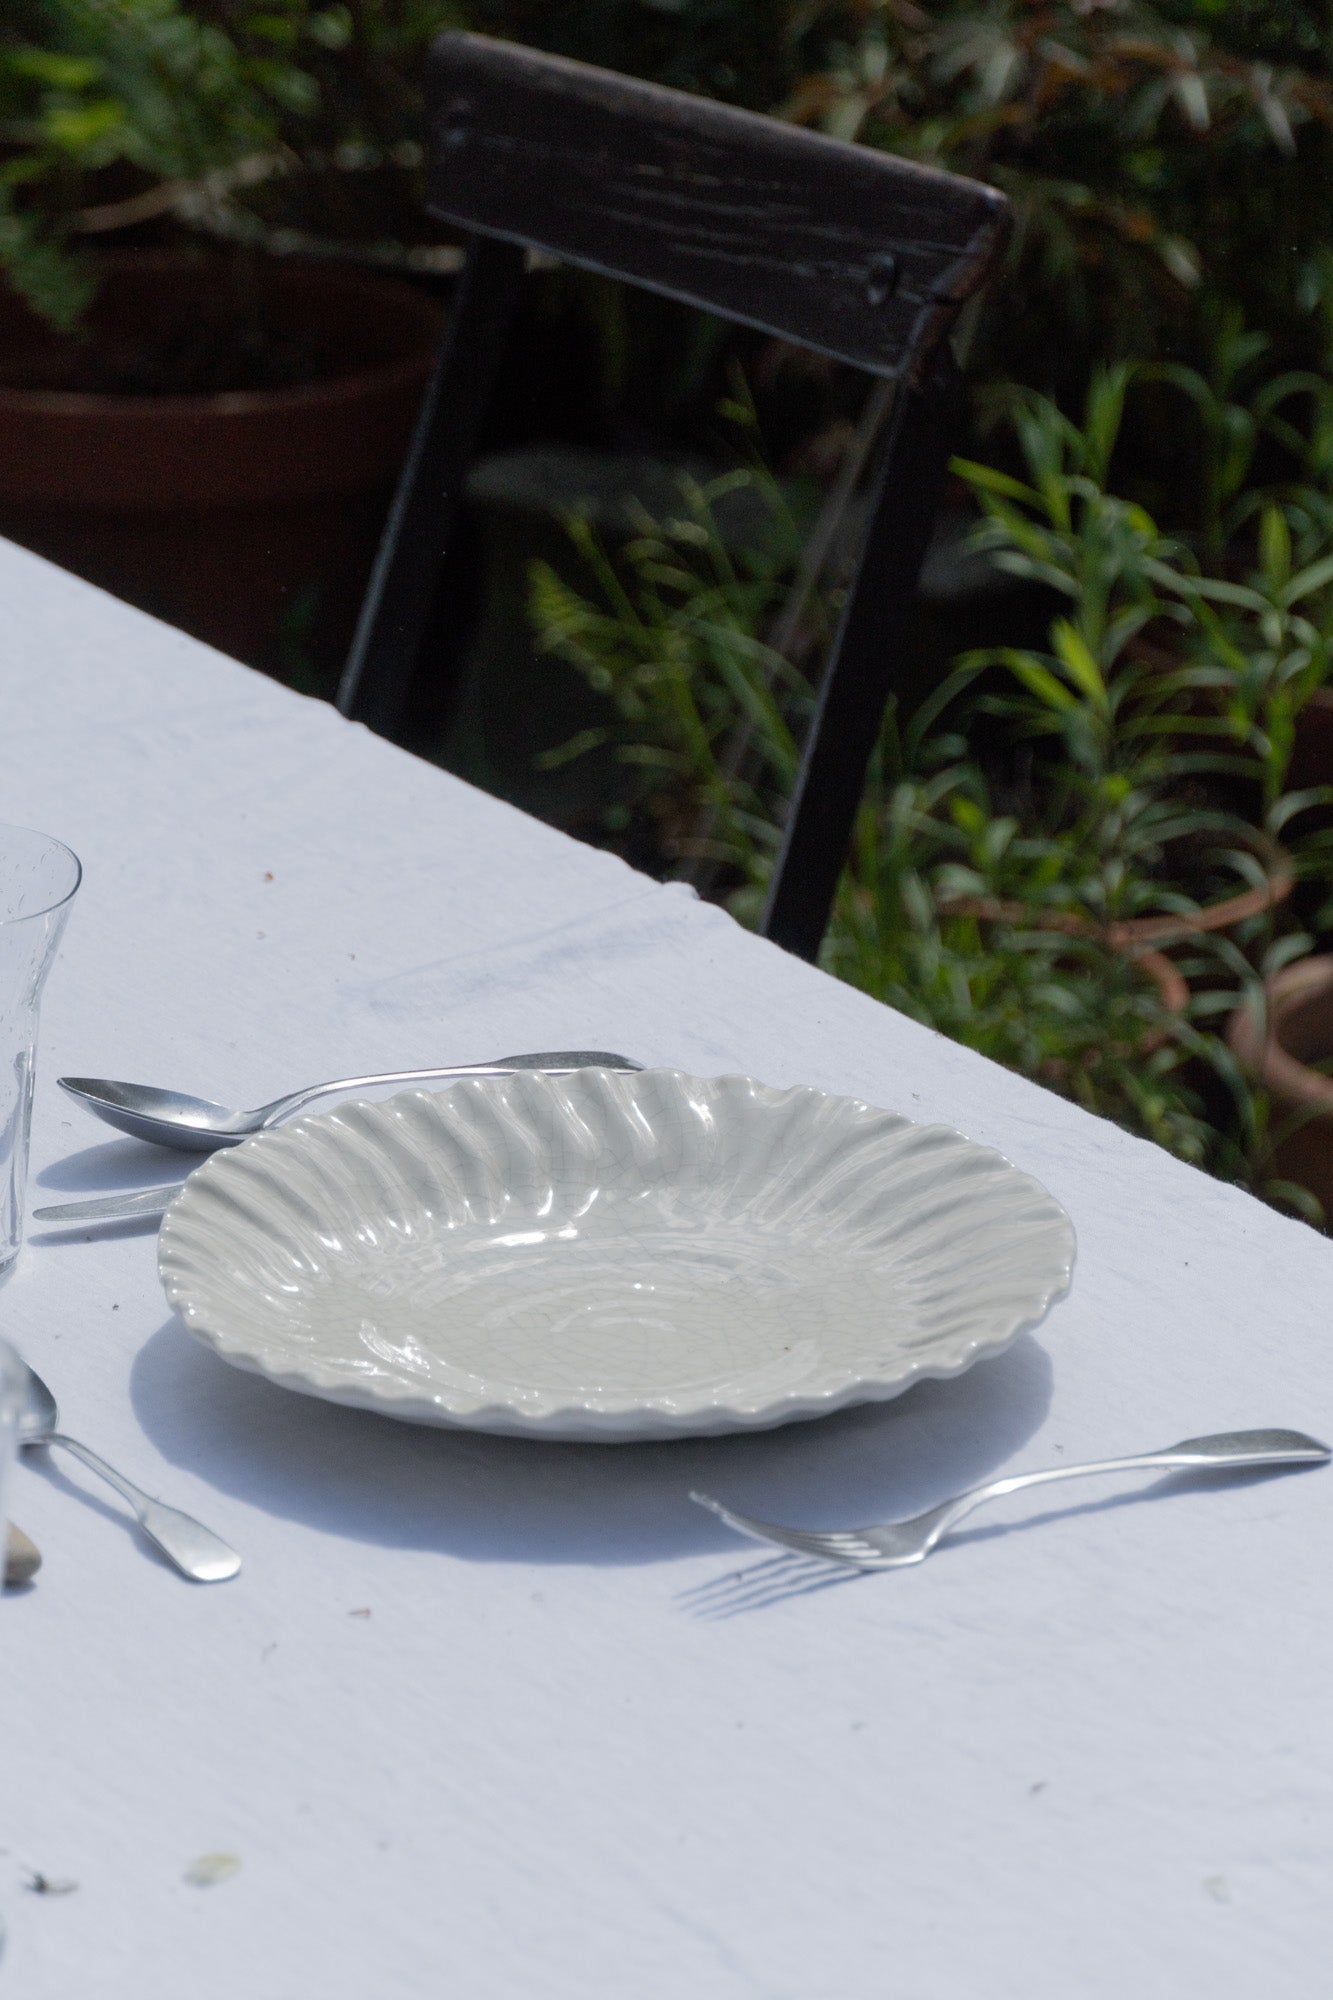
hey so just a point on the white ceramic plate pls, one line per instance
(610, 1256)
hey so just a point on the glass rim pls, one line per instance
(57, 902)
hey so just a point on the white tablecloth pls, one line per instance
(484, 1718)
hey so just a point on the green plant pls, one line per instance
(1149, 150)
(1170, 278)
(675, 636)
(147, 90)
(119, 112)
(1015, 829)
(1069, 1012)
(1115, 715)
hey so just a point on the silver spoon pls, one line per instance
(895, 1544)
(194, 1550)
(195, 1125)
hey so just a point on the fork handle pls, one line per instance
(1226, 1451)
(189, 1546)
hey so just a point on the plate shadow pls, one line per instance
(114, 1166)
(497, 1499)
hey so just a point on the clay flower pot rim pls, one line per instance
(332, 390)
(219, 511)
(1254, 1033)
(67, 448)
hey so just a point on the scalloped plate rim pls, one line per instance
(637, 1418)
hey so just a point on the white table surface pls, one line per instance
(463, 1719)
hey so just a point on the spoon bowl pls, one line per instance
(40, 1415)
(163, 1117)
(197, 1125)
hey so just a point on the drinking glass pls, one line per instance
(11, 1403)
(38, 878)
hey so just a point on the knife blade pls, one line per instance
(113, 1207)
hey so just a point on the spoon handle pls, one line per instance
(552, 1062)
(194, 1550)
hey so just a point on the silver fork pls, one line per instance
(896, 1544)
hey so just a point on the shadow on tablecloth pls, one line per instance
(113, 1166)
(491, 1499)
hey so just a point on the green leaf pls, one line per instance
(1041, 681)
(1210, 587)
(78, 130)
(51, 67)
(1102, 417)
(331, 28)
(566, 753)
(1314, 577)
(58, 285)
(991, 480)
(1078, 662)
(1275, 548)
(277, 28)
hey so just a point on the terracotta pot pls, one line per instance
(1277, 1044)
(241, 516)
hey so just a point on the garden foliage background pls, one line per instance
(1127, 727)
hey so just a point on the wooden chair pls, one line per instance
(839, 248)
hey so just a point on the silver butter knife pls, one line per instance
(151, 1201)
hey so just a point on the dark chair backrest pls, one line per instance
(836, 247)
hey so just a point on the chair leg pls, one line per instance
(389, 634)
(860, 672)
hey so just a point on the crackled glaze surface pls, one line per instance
(610, 1256)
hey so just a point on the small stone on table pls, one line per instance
(23, 1558)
